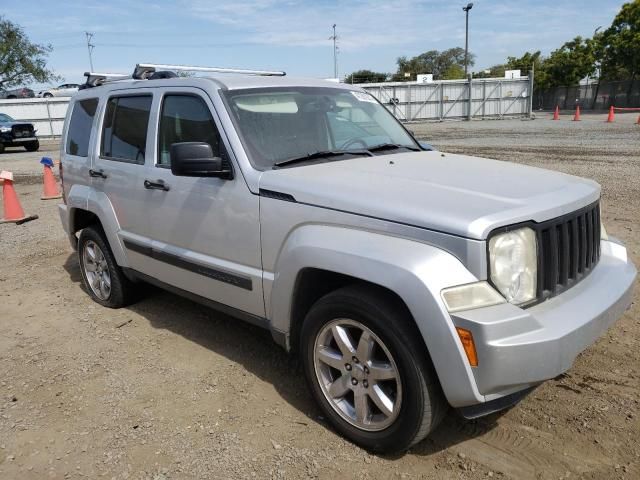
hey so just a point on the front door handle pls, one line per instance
(97, 173)
(158, 185)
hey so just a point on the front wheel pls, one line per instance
(369, 371)
(32, 146)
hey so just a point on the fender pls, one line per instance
(403, 266)
(86, 198)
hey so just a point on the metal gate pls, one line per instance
(455, 99)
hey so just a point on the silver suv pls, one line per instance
(406, 280)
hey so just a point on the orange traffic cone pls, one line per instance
(638, 122)
(556, 114)
(13, 211)
(50, 190)
(611, 116)
(576, 117)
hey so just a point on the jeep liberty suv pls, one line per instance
(408, 281)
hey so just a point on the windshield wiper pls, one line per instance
(391, 146)
(321, 154)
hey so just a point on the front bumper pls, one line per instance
(518, 348)
(8, 139)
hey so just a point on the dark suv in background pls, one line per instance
(17, 134)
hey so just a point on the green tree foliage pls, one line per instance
(497, 71)
(366, 76)
(619, 45)
(447, 64)
(570, 63)
(21, 62)
(530, 61)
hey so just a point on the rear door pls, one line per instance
(118, 168)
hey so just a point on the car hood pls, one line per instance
(457, 194)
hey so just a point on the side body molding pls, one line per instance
(405, 267)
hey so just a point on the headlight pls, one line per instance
(513, 264)
(5, 129)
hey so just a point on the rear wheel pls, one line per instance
(102, 277)
(368, 370)
(47, 95)
(32, 146)
(1, 147)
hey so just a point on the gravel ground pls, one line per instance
(167, 389)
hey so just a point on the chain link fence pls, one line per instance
(594, 96)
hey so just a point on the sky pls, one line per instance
(293, 35)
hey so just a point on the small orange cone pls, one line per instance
(50, 190)
(611, 116)
(13, 211)
(638, 122)
(576, 117)
(556, 114)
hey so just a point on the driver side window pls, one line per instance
(185, 118)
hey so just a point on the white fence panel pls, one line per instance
(440, 100)
(46, 114)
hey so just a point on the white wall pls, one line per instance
(46, 114)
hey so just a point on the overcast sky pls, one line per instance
(293, 35)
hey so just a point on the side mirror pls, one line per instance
(426, 146)
(195, 159)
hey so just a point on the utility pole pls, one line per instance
(466, 38)
(334, 37)
(90, 48)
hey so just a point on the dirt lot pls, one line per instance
(167, 389)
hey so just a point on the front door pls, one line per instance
(205, 231)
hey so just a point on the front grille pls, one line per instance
(20, 131)
(568, 250)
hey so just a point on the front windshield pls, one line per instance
(6, 118)
(277, 124)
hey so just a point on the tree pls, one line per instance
(366, 76)
(446, 64)
(497, 71)
(21, 61)
(570, 63)
(619, 45)
(530, 61)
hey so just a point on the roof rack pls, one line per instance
(95, 79)
(145, 70)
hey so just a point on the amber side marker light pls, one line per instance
(469, 347)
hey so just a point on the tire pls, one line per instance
(47, 95)
(413, 400)
(1, 147)
(93, 266)
(11, 97)
(32, 146)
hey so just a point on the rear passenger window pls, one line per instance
(185, 118)
(80, 127)
(124, 130)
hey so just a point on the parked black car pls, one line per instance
(17, 93)
(17, 134)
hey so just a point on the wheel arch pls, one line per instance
(317, 258)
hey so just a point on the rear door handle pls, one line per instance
(159, 185)
(97, 173)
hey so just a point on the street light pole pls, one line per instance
(466, 38)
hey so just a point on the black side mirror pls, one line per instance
(195, 159)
